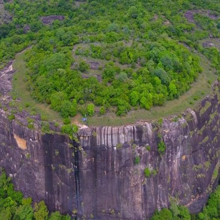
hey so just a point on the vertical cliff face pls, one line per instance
(187, 171)
(41, 165)
(102, 176)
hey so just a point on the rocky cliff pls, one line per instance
(115, 172)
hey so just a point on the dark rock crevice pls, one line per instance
(77, 179)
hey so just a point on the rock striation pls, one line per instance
(103, 174)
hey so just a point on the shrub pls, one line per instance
(45, 127)
(11, 117)
(66, 121)
(119, 145)
(102, 110)
(83, 66)
(148, 147)
(147, 172)
(68, 109)
(90, 109)
(161, 147)
(137, 160)
(69, 129)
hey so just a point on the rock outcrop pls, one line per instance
(117, 172)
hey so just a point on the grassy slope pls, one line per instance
(199, 89)
(20, 91)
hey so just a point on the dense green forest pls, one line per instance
(13, 206)
(109, 56)
(210, 212)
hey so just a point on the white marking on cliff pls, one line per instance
(109, 136)
(81, 126)
(98, 138)
(149, 130)
(114, 136)
(103, 137)
(129, 133)
(121, 135)
(194, 116)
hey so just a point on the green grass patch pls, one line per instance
(20, 91)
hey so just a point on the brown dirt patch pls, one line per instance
(22, 144)
(183, 157)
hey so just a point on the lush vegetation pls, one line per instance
(108, 55)
(210, 212)
(13, 206)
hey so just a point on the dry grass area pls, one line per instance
(20, 92)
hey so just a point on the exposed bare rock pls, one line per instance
(5, 79)
(51, 18)
(94, 65)
(26, 28)
(189, 15)
(208, 44)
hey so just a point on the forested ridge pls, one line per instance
(13, 205)
(211, 210)
(104, 56)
